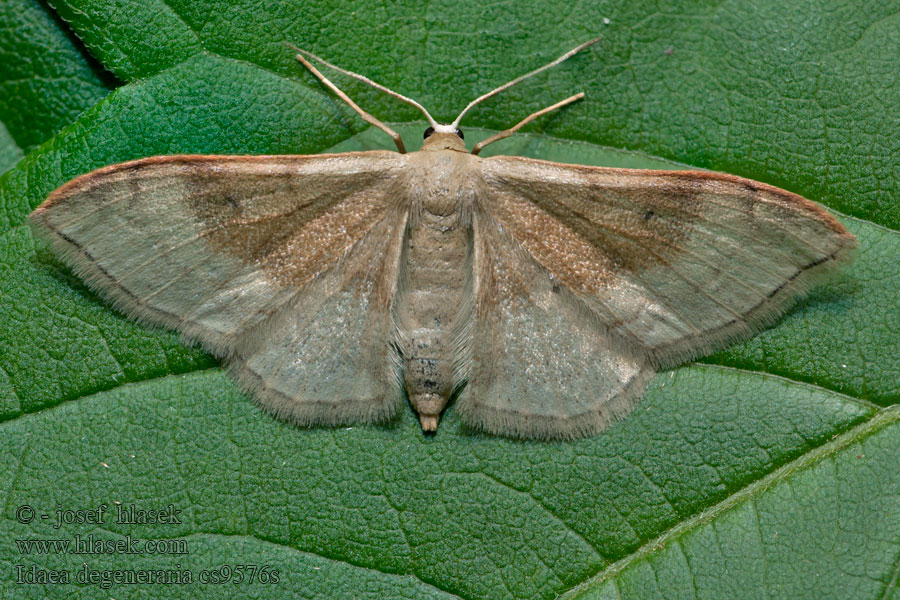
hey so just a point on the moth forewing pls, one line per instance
(283, 266)
(679, 263)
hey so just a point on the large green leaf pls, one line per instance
(46, 78)
(725, 482)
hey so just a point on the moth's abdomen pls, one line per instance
(427, 310)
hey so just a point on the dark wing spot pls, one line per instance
(232, 201)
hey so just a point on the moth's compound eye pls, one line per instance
(460, 134)
(428, 132)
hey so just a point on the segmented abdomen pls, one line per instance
(433, 286)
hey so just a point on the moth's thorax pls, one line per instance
(444, 182)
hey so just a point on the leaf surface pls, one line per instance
(727, 481)
(47, 78)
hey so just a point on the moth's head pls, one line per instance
(444, 137)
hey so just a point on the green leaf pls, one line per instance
(793, 534)
(46, 78)
(10, 153)
(685, 496)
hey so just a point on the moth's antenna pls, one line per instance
(365, 80)
(366, 116)
(505, 134)
(506, 86)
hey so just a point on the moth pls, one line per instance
(542, 296)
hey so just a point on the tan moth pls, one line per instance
(545, 295)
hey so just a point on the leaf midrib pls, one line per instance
(881, 418)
